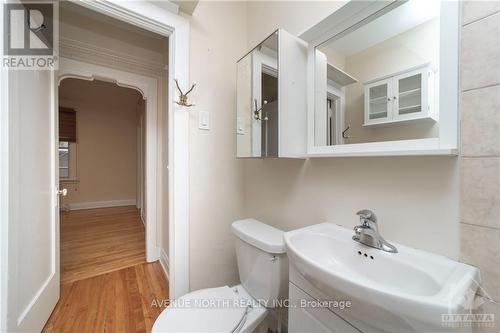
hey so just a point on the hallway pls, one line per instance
(106, 284)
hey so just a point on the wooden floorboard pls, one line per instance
(126, 300)
(106, 285)
(98, 241)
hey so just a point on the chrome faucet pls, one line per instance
(367, 233)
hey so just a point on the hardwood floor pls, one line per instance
(120, 301)
(106, 285)
(97, 241)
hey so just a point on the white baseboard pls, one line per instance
(164, 263)
(143, 218)
(101, 204)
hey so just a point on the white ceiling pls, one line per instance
(186, 6)
(395, 22)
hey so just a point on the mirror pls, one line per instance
(257, 101)
(379, 80)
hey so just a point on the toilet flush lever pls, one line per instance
(274, 258)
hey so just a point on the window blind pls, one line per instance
(67, 124)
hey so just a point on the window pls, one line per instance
(67, 138)
(63, 159)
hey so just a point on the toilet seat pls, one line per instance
(222, 309)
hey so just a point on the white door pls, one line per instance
(410, 95)
(378, 102)
(33, 208)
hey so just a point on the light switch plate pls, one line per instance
(240, 126)
(203, 120)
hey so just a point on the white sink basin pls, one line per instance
(390, 292)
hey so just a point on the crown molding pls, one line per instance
(81, 51)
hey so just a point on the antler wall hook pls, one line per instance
(257, 113)
(344, 132)
(183, 98)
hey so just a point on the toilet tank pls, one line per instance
(262, 261)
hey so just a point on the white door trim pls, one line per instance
(4, 195)
(4, 187)
(147, 15)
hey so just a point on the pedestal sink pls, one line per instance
(390, 292)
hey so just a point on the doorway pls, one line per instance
(112, 236)
(269, 127)
(102, 220)
(29, 292)
(147, 86)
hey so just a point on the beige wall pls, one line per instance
(105, 156)
(218, 40)
(416, 198)
(480, 147)
(294, 16)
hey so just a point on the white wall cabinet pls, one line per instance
(401, 97)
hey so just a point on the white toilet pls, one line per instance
(263, 268)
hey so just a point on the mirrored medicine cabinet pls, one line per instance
(375, 78)
(385, 80)
(271, 99)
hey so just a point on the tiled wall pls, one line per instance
(480, 146)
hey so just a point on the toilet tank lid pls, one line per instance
(260, 235)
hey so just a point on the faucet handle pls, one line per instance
(366, 216)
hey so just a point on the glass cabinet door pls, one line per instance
(378, 103)
(244, 105)
(257, 101)
(409, 101)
